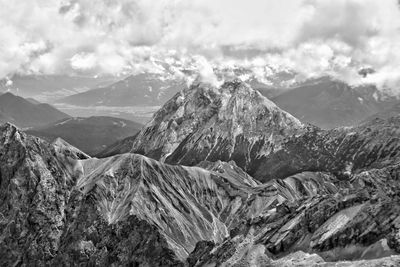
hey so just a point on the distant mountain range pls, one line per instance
(47, 88)
(27, 113)
(135, 90)
(91, 135)
(328, 103)
(323, 102)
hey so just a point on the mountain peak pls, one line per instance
(9, 131)
(206, 122)
(8, 94)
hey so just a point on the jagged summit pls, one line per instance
(13, 137)
(231, 122)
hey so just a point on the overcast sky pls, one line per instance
(311, 37)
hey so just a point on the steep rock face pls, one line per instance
(34, 190)
(344, 224)
(39, 202)
(185, 204)
(233, 122)
(126, 209)
(342, 151)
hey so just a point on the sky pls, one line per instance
(108, 37)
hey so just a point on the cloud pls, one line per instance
(309, 37)
(206, 72)
(83, 61)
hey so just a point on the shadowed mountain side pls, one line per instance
(90, 134)
(329, 103)
(390, 111)
(23, 113)
(342, 151)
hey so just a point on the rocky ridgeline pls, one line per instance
(124, 209)
(331, 194)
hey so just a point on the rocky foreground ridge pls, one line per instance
(318, 198)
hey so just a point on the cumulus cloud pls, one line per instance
(309, 37)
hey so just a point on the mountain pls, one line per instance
(209, 123)
(328, 103)
(135, 90)
(50, 87)
(33, 101)
(235, 122)
(388, 112)
(132, 210)
(24, 114)
(91, 135)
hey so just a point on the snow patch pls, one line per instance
(64, 122)
(375, 96)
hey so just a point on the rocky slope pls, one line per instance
(342, 151)
(61, 207)
(357, 220)
(334, 195)
(59, 210)
(124, 209)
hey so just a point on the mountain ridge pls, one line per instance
(130, 209)
(23, 113)
(227, 178)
